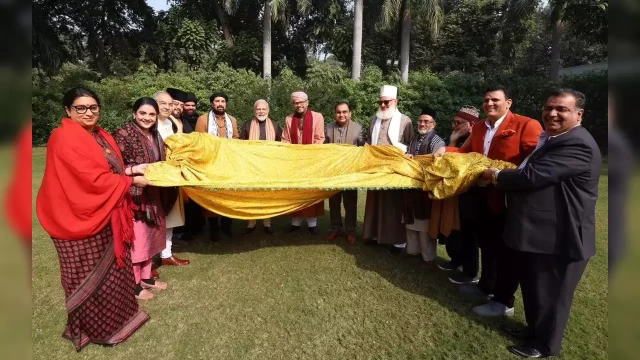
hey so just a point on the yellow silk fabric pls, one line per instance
(252, 179)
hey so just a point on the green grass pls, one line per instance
(298, 297)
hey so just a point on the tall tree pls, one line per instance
(557, 13)
(394, 11)
(356, 63)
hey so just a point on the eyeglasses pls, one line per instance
(560, 109)
(298, 103)
(457, 122)
(384, 102)
(81, 109)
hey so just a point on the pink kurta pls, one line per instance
(150, 240)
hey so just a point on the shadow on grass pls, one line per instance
(408, 274)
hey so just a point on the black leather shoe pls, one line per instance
(227, 233)
(293, 228)
(371, 242)
(526, 351)
(214, 236)
(314, 230)
(249, 230)
(268, 230)
(521, 333)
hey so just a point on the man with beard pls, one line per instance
(218, 123)
(189, 114)
(508, 137)
(304, 127)
(178, 106)
(461, 245)
(261, 127)
(417, 209)
(462, 123)
(384, 208)
(166, 128)
(344, 131)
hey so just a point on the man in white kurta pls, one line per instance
(384, 208)
(175, 218)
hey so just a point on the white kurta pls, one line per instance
(176, 215)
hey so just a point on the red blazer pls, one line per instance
(515, 139)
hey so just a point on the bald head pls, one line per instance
(261, 110)
(165, 104)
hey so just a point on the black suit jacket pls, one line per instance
(551, 202)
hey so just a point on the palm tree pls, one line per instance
(392, 10)
(273, 10)
(356, 63)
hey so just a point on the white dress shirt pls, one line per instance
(491, 132)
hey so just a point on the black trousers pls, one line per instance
(350, 200)
(462, 245)
(193, 217)
(498, 276)
(221, 222)
(548, 283)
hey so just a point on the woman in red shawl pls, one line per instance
(140, 143)
(85, 205)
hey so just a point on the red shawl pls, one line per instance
(307, 128)
(18, 201)
(79, 194)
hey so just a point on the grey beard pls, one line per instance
(261, 120)
(423, 131)
(456, 135)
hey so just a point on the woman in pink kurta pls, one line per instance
(140, 143)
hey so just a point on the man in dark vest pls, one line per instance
(344, 131)
(417, 209)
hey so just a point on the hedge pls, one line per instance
(326, 83)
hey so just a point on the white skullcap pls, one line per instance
(300, 95)
(389, 91)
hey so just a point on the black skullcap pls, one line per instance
(177, 94)
(190, 97)
(219, 94)
(428, 111)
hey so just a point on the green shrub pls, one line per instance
(326, 83)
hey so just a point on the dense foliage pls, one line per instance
(326, 83)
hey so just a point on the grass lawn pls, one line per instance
(296, 296)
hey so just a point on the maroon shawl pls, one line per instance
(307, 128)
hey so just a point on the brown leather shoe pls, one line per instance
(154, 274)
(351, 238)
(174, 261)
(334, 235)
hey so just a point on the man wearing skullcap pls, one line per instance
(384, 208)
(218, 123)
(189, 115)
(304, 127)
(417, 209)
(462, 245)
(462, 123)
(178, 106)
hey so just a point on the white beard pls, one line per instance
(386, 114)
(423, 131)
(261, 118)
(456, 135)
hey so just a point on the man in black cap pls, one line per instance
(417, 210)
(189, 114)
(178, 106)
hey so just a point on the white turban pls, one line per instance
(389, 91)
(300, 95)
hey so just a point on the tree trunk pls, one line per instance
(99, 52)
(223, 22)
(356, 63)
(266, 41)
(556, 36)
(405, 42)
